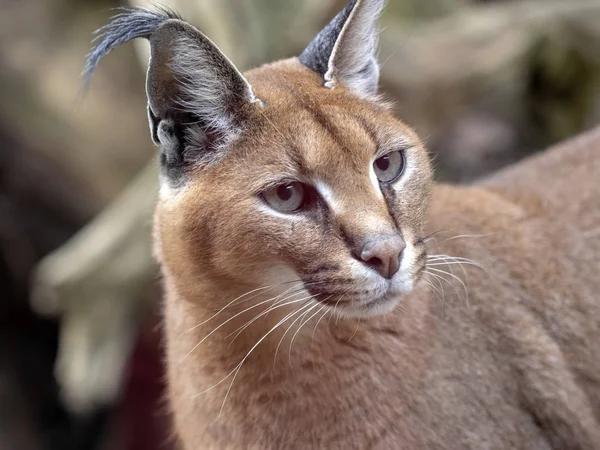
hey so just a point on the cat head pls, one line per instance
(292, 172)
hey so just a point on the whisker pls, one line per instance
(405, 309)
(327, 311)
(438, 277)
(458, 259)
(354, 333)
(441, 262)
(229, 320)
(239, 367)
(275, 306)
(283, 337)
(445, 262)
(439, 294)
(254, 296)
(300, 327)
(467, 236)
(334, 312)
(437, 291)
(449, 264)
(235, 368)
(432, 235)
(456, 278)
(453, 258)
(227, 306)
(441, 287)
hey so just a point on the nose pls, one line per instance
(383, 254)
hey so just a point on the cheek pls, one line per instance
(301, 242)
(253, 240)
(408, 203)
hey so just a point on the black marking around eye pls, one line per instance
(389, 194)
(348, 240)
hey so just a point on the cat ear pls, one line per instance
(344, 51)
(197, 99)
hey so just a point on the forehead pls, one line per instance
(329, 136)
(319, 131)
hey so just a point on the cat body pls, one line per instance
(322, 292)
(514, 365)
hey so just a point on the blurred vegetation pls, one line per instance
(485, 83)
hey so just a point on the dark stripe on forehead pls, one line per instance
(338, 136)
(296, 156)
(369, 130)
(319, 117)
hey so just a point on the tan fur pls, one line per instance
(516, 365)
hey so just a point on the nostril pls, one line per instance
(375, 262)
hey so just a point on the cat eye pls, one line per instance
(389, 167)
(286, 198)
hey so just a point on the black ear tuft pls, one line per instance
(131, 23)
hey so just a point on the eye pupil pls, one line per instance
(383, 163)
(388, 168)
(285, 192)
(287, 197)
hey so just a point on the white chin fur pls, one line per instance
(379, 308)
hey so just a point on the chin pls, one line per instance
(371, 308)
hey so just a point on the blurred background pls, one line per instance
(484, 83)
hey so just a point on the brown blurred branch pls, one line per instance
(489, 53)
(98, 282)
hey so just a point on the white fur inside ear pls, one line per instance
(166, 135)
(204, 89)
(353, 61)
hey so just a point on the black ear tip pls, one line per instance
(318, 53)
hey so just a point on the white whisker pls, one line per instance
(300, 327)
(229, 320)
(439, 293)
(235, 368)
(273, 307)
(461, 260)
(439, 271)
(466, 236)
(354, 333)
(239, 366)
(227, 306)
(328, 311)
(284, 334)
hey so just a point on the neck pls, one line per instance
(231, 360)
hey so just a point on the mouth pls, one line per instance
(374, 303)
(380, 306)
(350, 299)
(361, 308)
